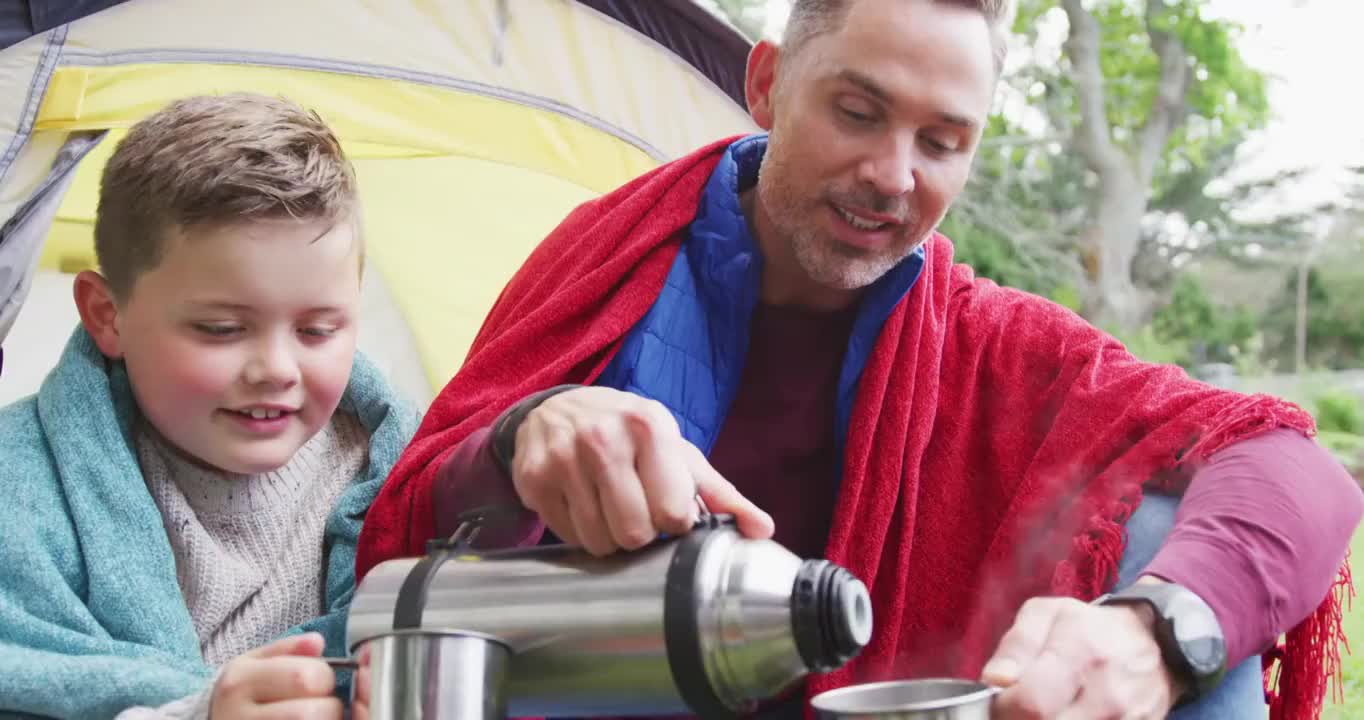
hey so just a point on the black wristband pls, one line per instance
(504, 428)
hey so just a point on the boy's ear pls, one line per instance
(98, 311)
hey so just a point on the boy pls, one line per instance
(189, 482)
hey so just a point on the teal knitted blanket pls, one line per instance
(92, 620)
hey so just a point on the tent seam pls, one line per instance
(37, 89)
(382, 72)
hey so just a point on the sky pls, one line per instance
(1312, 52)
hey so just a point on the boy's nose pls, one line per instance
(273, 365)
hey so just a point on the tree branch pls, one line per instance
(1170, 103)
(1093, 137)
(1000, 141)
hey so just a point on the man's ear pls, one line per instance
(760, 80)
(98, 311)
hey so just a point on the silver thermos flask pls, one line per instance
(709, 623)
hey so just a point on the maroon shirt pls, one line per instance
(1262, 553)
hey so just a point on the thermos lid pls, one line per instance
(830, 614)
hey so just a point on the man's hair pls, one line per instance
(809, 18)
(209, 160)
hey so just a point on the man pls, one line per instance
(777, 313)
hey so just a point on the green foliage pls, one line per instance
(1335, 317)
(993, 256)
(1226, 97)
(749, 16)
(1147, 345)
(1340, 411)
(1340, 427)
(1205, 332)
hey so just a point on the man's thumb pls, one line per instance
(308, 644)
(720, 496)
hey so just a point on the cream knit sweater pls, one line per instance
(248, 548)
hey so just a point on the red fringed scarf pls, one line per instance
(998, 442)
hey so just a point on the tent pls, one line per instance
(474, 126)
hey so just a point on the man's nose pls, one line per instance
(889, 169)
(272, 363)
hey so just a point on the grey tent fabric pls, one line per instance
(704, 41)
(691, 32)
(21, 237)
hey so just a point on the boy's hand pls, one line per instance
(284, 680)
(361, 684)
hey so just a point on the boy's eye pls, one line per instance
(318, 332)
(217, 330)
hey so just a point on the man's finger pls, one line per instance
(1049, 685)
(1093, 702)
(623, 502)
(584, 509)
(720, 496)
(1023, 641)
(559, 519)
(314, 708)
(663, 474)
(284, 678)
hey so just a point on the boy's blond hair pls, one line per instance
(210, 160)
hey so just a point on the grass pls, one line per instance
(1352, 664)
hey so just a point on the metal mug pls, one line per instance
(923, 699)
(437, 675)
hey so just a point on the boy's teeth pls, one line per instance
(858, 222)
(261, 414)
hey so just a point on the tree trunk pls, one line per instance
(1300, 327)
(1112, 241)
(1111, 244)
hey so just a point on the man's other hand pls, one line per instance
(1068, 660)
(609, 470)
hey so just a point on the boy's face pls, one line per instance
(239, 343)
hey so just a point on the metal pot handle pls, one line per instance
(411, 601)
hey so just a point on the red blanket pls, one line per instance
(997, 443)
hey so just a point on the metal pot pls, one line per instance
(926, 699)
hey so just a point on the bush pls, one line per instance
(1147, 345)
(1340, 411)
(1209, 334)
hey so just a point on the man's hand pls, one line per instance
(280, 681)
(608, 470)
(1068, 660)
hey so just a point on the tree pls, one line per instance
(1147, 91)
(749, 16)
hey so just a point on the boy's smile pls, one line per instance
(239, 342)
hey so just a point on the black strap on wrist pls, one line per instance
(506, 425)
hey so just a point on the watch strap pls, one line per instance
(1186, 630)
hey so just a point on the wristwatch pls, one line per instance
(1187, 631)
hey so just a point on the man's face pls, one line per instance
(239, 343)
(873, 127)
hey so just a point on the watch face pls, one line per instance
(1197, 631)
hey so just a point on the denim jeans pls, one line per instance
(1240, 695)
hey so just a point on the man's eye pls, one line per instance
(217, 329)
(857, 117)
(937, 146)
